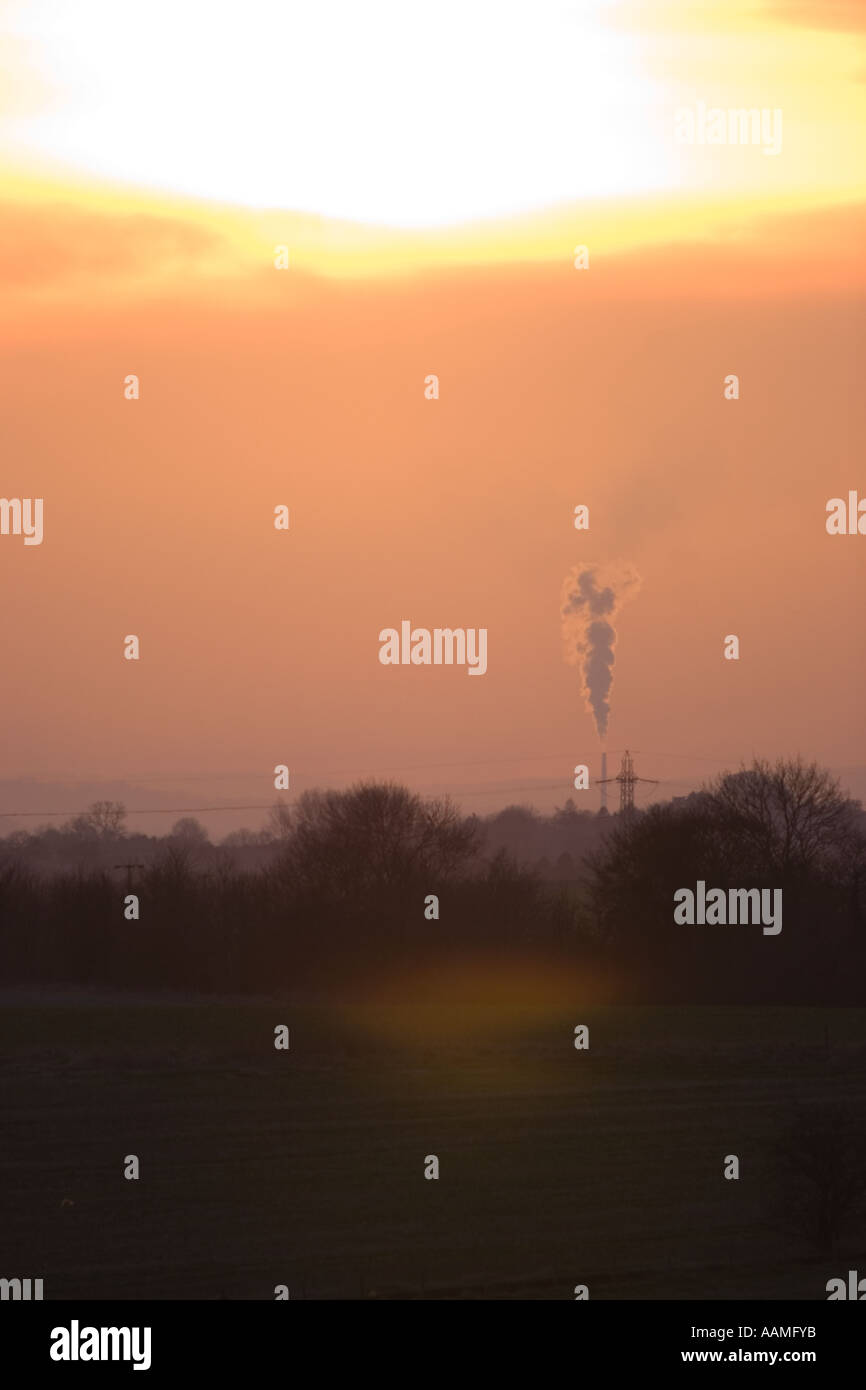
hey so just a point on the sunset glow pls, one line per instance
(430, 172)
(404, 116)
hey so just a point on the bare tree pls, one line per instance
(787, 817)
(784, 825)
(375, 835)
(102, 818)
(190, 831)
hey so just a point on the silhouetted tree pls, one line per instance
(102, 818)
(190, 831)
(788, 818)
(372, 837)
(786, 826)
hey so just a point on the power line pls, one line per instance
(494, 789)
(397, 767)
(319, 771)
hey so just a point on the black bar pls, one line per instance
(218, 1339)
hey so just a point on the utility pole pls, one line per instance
(627, 778)
(129, 868)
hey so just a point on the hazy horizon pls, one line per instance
(131, 250)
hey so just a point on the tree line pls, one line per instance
(345, 885)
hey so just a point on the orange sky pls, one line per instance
(558, 387)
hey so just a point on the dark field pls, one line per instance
(306, 1167)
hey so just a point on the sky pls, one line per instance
(430, 172)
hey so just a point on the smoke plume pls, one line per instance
(592, 596)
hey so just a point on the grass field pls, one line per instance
(305, 1168)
